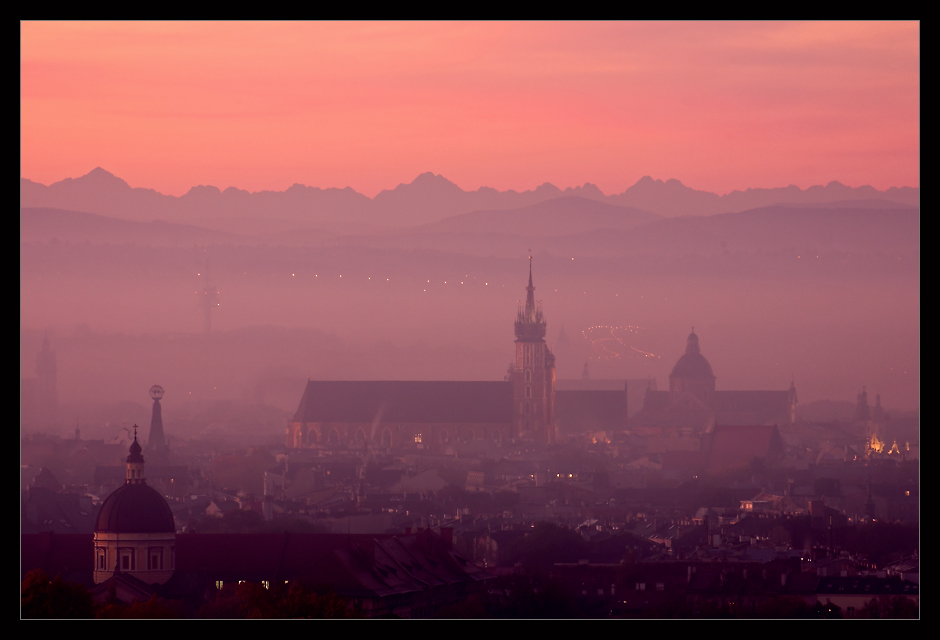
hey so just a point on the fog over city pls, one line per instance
(824, 293)
(532, 311)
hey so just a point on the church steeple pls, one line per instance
(533, 373)
(135, 463)
(530, 324)
(530, 297)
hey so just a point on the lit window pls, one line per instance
(266, 584)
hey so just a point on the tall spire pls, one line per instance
(530, 297)
(530, 324)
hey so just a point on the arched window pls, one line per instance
(528, 375)
(528, 391)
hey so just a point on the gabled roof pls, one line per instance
(126, 588)
(393, 401)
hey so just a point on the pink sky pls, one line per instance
(720, 106)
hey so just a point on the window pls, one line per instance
(128, 560)
(528, 375)
(266, 584)
(102, 559)
(218, 584)
(528, 391)
(156, 559)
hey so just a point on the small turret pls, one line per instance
(135, 463)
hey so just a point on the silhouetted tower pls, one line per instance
(877, 413)
(793, 400)
(862, 410)
(533, 374)
(48, 395)
(156, 444)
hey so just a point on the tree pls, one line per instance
(890, 607)
(251, 600)
(44, 598)
(153, 609)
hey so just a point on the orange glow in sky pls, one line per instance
(719, 106)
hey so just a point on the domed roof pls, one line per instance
(693, 364)
(135, 508)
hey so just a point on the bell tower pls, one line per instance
(533, 374)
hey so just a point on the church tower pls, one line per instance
(533, 374)
(156, 443)
(135, 532)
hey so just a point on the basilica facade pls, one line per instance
(692, 400)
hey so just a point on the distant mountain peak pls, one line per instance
(431, 178)
(203, 190)
(99, 176)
